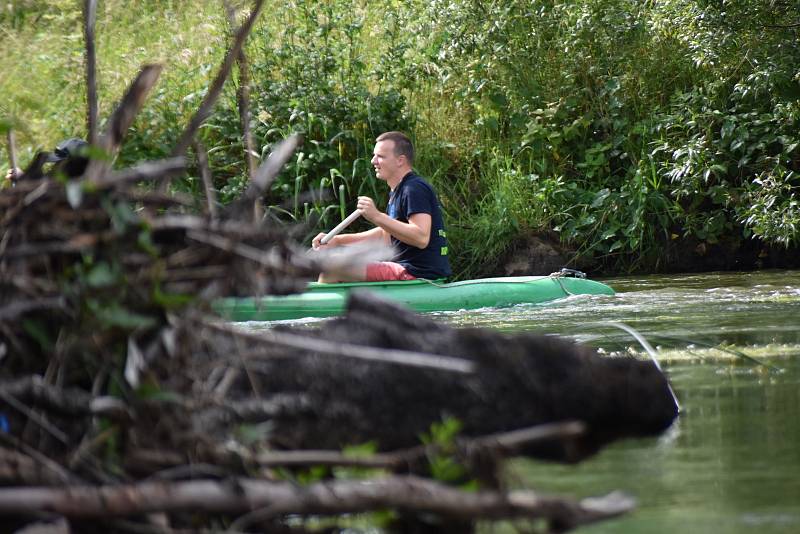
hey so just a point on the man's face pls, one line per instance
(387, 165)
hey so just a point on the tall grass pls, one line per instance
(42, 79)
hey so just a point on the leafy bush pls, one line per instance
(619, 124)
(310, 75)
(654, 120)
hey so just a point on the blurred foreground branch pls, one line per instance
(274, 499)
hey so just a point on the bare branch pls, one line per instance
(147, 171)
(17, 468)
(334, 497)
(12, 150)
(71, 401)
(269, 169)
(391, 356)
(121, 120)
(264, 176)
(508, 443)
(503, 444)
(208, 182)
(216, 87)
(33, 416)
(243, 100)
(243, 97)
(15, 309)
(89, 20)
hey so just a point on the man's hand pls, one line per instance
(316, 243)
(12, 174)
(368, 210)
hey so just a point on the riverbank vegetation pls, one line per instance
(621, 127)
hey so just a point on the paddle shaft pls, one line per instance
(12, 149)
(341, 226)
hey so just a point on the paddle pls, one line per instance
(12, 154)
(341, 226)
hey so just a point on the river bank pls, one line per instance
(540, 254)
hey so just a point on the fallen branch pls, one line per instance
(69, 401)
(333, 497)
(504, 444)
(16, 467)
(399, 357)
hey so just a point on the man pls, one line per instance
(412, 223)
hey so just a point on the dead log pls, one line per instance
(518, 381)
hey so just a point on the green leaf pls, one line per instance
(600, 197)
(171, 301)
(363, 450)
(101, 275)
(39, 333)
(152, 391)
(611, 232)
(145, 242)
(253, 434)
(114, 315)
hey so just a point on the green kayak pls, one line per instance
(326, 300)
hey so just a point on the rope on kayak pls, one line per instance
(435, 283)
(564, 272)
(557, 277)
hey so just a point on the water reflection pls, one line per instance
(729, 465)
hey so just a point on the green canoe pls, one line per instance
(326, 300)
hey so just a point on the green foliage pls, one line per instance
(771, 210)
(619, 124)
(442, 461)
(626, 122)
(313, 75)
(42, 91)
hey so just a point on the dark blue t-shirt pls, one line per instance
(415, 195)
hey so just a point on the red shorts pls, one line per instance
(384, 271)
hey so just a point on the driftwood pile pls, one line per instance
(126, 406)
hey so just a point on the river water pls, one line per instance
(730, 343)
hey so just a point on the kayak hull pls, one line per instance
(327, 300)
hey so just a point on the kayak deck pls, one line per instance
(326, 300)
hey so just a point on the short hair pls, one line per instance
(402, 144)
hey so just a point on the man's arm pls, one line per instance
(350, 239)
(416, 232)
